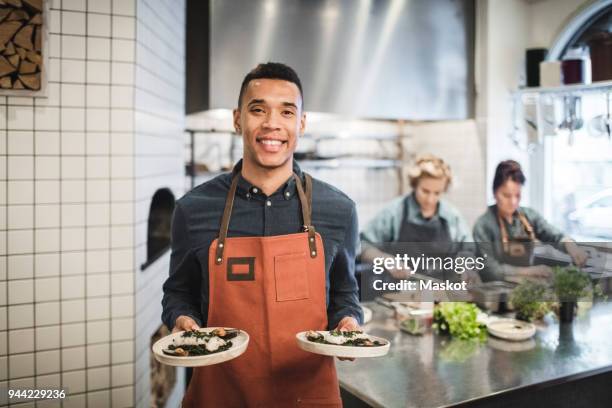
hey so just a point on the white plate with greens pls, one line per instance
(352, 344)
(511, 329)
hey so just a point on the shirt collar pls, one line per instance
(415, 208)
(248, 190)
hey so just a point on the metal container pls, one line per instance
(493, 296)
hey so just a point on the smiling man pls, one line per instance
(269, 250)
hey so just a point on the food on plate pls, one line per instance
(355, 338)
(201, 343)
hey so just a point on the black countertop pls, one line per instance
(435, 371)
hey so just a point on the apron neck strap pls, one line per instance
(305, 196)
(524, 221)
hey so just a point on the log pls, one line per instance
(27, 67)
(35, 4)
(5, 83)
(34, 57)
(38, 38)
(31, 81)
(18, 15)
(7, 30)
(14, 60)
(3, 13)
(5, 67)
(10, 49)
(16, 3)
(36, 20)
(21, 52)
(17, 84)
(24, 37)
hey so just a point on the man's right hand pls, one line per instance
(184, 323)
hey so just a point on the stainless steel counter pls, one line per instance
(435, 371)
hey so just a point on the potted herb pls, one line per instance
(460, 320)
(569, 284)
(530, 300)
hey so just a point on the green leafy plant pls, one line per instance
(570, 283)
(529, 299)
(460, 320)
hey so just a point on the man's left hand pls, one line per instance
(348, 323)
(579, 255)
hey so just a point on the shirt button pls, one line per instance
(269, 203)
(287, 194)
(248, 195)
(255, 190)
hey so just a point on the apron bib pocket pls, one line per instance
(290, 277)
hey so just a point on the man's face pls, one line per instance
(270, 120)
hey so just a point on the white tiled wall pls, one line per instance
(77, 171)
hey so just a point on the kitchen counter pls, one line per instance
(574, 360)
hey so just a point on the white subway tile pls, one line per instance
(73, 119)
(122, 260)
(73, 311)
(123, 50)
(48, 313)
(73, 23)
(21, 365)
(73, 287)
(73, 263)
(99, 25)
(98, 261)
(20, 192)
(23, 383)
(122, 213)
(20, 267)
(73, 334)
(47, 362)
(46, 265)
(47, 289)
(124, 7)
(20, 118)
(47, 216)
(3, 301)
(47, 240)
(122, 397)
(73, 47)
(3, 319)
(122, 166)
(73, 71)
(99, 6)
(98, 191)
(47, 167)
(122, 190)
(73, 191)
(54, 70)
(47, 191)
(21, 341)
(73, 215)
(73, 143)
(124, 27)
(98, 167)
(98, 72)
(98, 355)
(98, 120)
(98, 285)
(20, 316)
(75, 400)
(48, 382)
(55, 22)
(20, 291)
(52, 98)
(122, 352)
(98, 96)
(122, 306)
(20, 217)
(47, 143)
(98, 308)
(98, 48)
(20, 101)
(98, 214)
(122, 236)
(73, 95)
(47, 118)
(98, 331)
(3, 172)
(3, 268)
(98, 378)
(98, 238)
(20, 142)
(122, 375)
(20, 242)
(3, 218)
(122, 96)
(98, 398)
(122, 73)
(73, 167)
(122, 329)
(73, 358)
(75, 381)
(98, 143)
(78, 5)
(47, 338)
(3, 374)
(122, 283)
(21, 167)
(55, 46)
(73, 239)
(3, 142)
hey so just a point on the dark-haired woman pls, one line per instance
(506, 231)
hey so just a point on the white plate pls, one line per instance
(239, 345)
(511, 329)
(343, 351)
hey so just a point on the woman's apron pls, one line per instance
(272, 287)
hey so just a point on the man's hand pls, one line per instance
(348, 323)
(184, 323)
(579, 255)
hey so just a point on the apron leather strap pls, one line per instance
(504, 231)
(305, 201)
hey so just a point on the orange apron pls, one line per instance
(272, 287)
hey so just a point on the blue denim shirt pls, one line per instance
(196, 221)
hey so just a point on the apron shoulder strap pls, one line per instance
(527, 226)
(225, 219)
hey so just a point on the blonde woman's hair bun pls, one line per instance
(428, 165)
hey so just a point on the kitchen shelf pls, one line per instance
(605, 86)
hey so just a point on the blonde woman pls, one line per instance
(421, 216)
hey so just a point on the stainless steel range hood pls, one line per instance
(400, 59)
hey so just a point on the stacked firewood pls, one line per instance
(21, 44)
